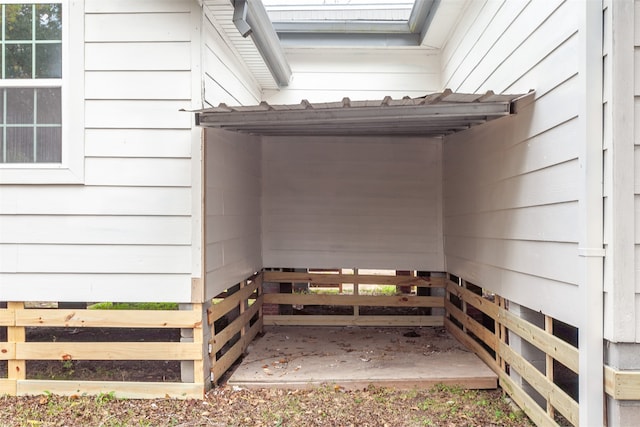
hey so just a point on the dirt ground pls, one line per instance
(325, 405)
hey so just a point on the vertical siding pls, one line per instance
(636, 133)
(352, 202)
(620, 323)
(511, 187)
(232, 206)
(358, 74)
(127, 233)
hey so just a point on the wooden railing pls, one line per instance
(17, 350)
(235, 321)
(355, 301)
(490, 344)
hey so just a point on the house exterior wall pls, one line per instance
(352, 202)
(511, 187)
(126, 233)
(232, 206)
(328, 75)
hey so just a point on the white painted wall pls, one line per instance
(621, 320)
(328, 75)
(128, 232)
(511, 187)
(232, 203)
(636, 121)
(332, 202)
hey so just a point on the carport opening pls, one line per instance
(345, 183)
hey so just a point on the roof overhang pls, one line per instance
(433, 115)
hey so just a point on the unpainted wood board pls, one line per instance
(7, 350)
(229, 303)
(471, 344)
(138, 27)
(122, 390)
(7, 317)
(90, 200)
(8, 387)
(549, 344)
(221, 366)
(155, 259)
(530, 407)
(161, 85)
(471, 325)
(108, 351)
(108, 318)
(622, 385)
(360, 300)
(219, 340)
(96, 287)
(138, 172)
(560, 400)
(145, 56)
(339, 320)
(485, 305)
(102, 230)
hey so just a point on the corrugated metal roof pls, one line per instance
(432, 115)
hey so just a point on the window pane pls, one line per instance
(20, 145)
(18, 61)
(1, 147)
(18, 20)
(19, 106)
(49, 147)
(49, 22)
(49, 60)
(49, 106)
(1, 108)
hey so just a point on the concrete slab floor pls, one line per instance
(355, 357)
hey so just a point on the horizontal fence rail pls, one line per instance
(235, 320)
(17, 350)
(356, 300)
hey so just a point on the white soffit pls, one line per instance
(438, 114)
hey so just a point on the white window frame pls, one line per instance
(71, 168)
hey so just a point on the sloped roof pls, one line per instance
(432, 115)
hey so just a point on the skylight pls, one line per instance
(350, 22)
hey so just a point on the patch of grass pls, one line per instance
(134, 306)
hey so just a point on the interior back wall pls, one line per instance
(330, 202)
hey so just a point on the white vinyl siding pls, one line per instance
(127, 234)
(352, 202)
(232, 209)
(636, 121)
(360, 74)
(511, 187)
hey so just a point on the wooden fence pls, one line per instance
(484, 326)
(236, 319)
(355, 301)
(16, 351)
